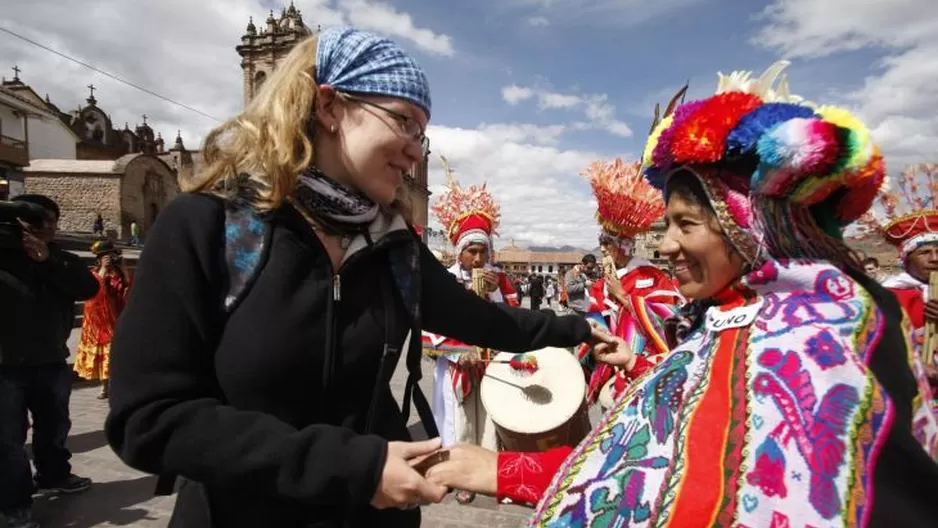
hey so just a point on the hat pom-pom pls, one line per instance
(702, 139)
(794, 150)
(744, 138)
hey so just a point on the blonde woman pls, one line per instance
(278, 412)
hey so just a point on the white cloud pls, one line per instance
(513, 94)
(182, 57)
(549, 100)
(899, 97)
(596, 13)
(538, 21)
(544, 199)
(379, 16)
(599, 113)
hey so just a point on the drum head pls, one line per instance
(532, 403)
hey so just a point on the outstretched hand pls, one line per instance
(610, 349)
(468, 468)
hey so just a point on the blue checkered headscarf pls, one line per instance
(359, 62)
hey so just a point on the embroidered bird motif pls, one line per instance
(818, 429)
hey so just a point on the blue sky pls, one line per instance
(526, 92)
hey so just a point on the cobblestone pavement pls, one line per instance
(122, 496)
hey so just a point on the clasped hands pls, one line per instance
(420, 473)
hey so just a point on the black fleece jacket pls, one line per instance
(240, 409)
(37, 305)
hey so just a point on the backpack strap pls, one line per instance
(247, 244)
(405, 267)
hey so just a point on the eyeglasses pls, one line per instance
(409, 125)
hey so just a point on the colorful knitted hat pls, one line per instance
(626, 204)
(468, 214)
(760, 141)
(907, 212)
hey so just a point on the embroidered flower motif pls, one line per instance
(825, 350)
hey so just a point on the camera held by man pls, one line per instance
(39, 285)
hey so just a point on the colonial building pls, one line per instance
(88, 166)
(516, 260)
(261, 51)
(646, 245)
(28, 129)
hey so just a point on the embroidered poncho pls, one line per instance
(770, 413)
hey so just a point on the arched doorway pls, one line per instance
(152, 213)
(154, 195)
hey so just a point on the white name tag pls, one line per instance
(718, 320)
(644, 283)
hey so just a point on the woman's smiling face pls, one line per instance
(704, 262)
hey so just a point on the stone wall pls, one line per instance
(80, 198)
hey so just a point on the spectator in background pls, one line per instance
(536, 291)
(92, 359)
(871, 267)
(39, 284)
(578, 281)
(134, 234)
(550, 291)
(97, 228)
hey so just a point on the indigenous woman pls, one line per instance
(789, 401)
(255, 355)
(635, 298)
(92, 360)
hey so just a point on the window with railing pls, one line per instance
(12, 142)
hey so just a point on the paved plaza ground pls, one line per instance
(122, 496)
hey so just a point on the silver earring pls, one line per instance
(332, 129)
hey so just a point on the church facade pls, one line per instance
(125, 175)
(262, 49)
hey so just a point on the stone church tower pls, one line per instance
(262, 50)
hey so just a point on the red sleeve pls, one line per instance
(913, 303)
(642, 364)
(524, 477)
(508, 290)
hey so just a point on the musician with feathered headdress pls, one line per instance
(470, 217)
(635, 298)
(906, 216)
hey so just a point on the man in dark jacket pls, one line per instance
(39, 285)
(536, 291)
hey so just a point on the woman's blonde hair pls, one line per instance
(270, 140)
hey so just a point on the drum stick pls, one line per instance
(506, 382)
